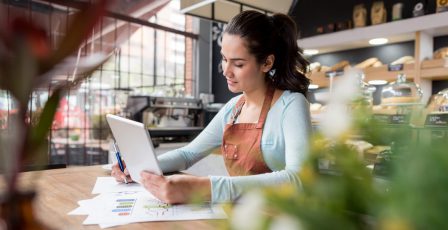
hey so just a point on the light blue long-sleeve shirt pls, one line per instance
(284, 144)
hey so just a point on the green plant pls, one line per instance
(417, 196)
(27, 62)
(339, 192)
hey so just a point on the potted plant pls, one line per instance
(27, 62)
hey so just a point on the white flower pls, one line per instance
(286, 222)
(335, 121)
(247, 214)
(337, 118)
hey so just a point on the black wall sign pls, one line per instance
(219, 83)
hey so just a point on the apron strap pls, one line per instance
(264, 110)
(237, 109)
(266, 106)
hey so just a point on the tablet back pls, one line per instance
(135, 146)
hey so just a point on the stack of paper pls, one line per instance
(119, 204)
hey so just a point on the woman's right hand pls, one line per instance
(119, 175)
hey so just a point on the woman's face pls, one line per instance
(240, 68)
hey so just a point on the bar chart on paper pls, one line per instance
(123, 207)
(138, 206)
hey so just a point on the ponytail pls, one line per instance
(289, 63)
(277, 34)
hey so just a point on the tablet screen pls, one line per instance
(135, 146)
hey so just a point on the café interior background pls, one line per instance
(164, 70)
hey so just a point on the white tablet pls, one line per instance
(135, 146)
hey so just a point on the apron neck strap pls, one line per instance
(264, 110)
(266, 106)
(237, 109)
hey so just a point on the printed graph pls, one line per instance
(156, 208)
(123, 207)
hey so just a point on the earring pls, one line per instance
(271, 74)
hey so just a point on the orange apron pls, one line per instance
(241, 144)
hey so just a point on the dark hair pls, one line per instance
(275, 35)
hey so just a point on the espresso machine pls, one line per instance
(168, 119)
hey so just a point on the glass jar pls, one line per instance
(366, 90)
(439, 102)
(401, 92)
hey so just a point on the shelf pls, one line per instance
(319, 79)
(371, 73)
(430, 70)
(382, 73)
(434, 69)
(396, 31)
(435, 74)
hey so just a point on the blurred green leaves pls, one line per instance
(417, 197)
(339, 192)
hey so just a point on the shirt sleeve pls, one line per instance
(200, 147)
(296, 128)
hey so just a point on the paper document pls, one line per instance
(83, 208)
(119, 204)
(109, 184)
(129, 207)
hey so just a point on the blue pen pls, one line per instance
(120, 163)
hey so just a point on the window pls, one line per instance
(151, 54)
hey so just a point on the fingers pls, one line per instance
(152, 180)
(153, 183)
(115, 166)
(128, 176)
(153, 177)
(116, 173)
(119, 175)
(171, 190)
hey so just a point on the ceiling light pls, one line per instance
(377, 82)
(310, 52)
(312, 86)
(378, 41)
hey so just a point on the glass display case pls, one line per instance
(401, 92)
(439, 102)
(400, 103)
(437, 110)
(366, 90)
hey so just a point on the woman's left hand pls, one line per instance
(176, 189)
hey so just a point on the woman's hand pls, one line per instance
(177, 188)
(119, 175)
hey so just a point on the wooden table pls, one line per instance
(60, 189)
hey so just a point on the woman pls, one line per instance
(263, 133)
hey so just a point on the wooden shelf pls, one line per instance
(396, 31)
(382, 73)
(319, 79)
(435, 74)
(371, 73)
(434, 69)
(421, 30)
(430, 70)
